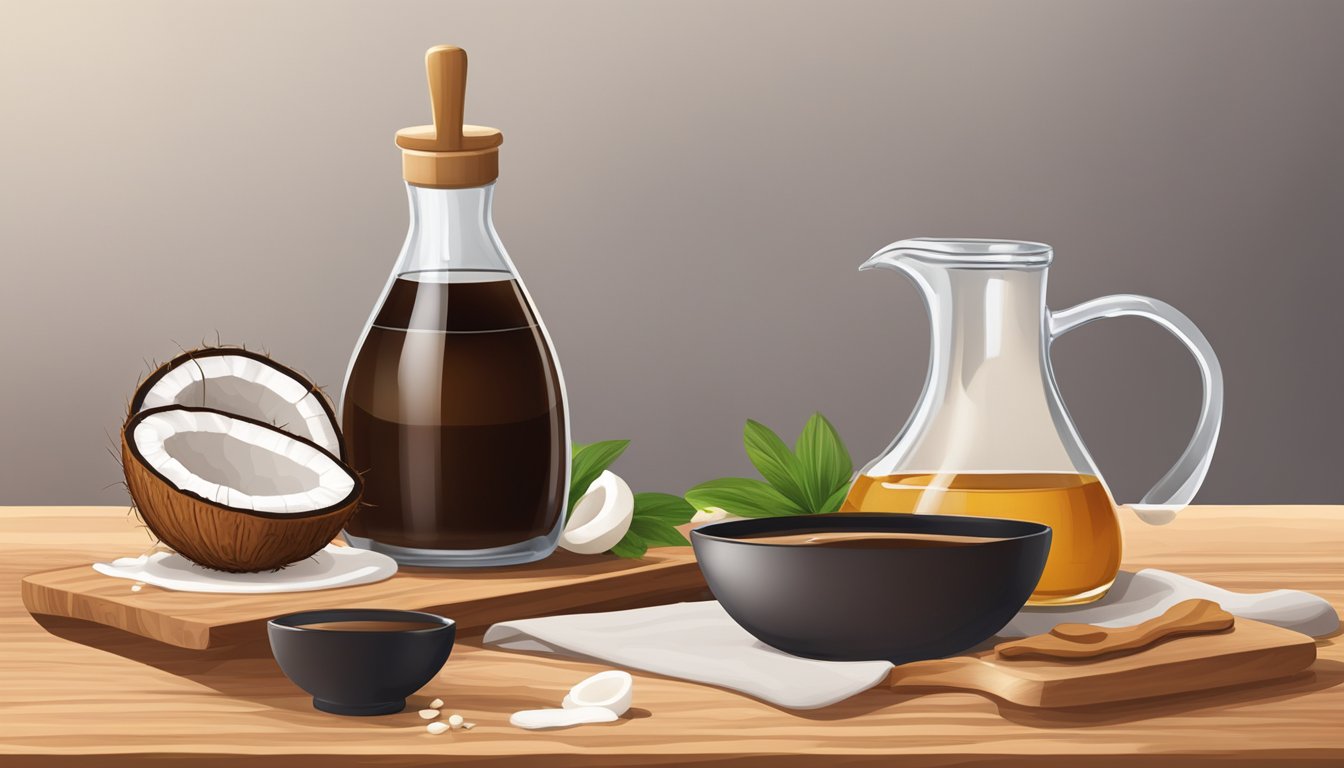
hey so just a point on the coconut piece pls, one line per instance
(601, 516)
(234, 493)
(246, 383)
(611, 690)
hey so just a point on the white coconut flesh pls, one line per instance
(601, 517)
(248, 387)
(240, 464)
(611, 690)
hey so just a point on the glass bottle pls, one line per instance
(990, 435)
(453, 406)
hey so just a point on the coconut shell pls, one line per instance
(222, 537)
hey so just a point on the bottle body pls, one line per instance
(454, 404)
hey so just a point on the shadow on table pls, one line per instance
(242, 666)
(1322, 675)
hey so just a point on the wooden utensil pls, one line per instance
(1247, 653)
(1079, 641)
(475, 598)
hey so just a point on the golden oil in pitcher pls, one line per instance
(1085, 548)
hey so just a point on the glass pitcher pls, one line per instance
(990, 435)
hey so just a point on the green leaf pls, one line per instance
(589, 462)
(657, 533)
(670, 509)
(744, 497)
(630, 546)
(833, 503)
(776, 463)
(825, 458)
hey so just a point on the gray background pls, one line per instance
(687, 189)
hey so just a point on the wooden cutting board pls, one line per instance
(1248, 652)
(475, 598)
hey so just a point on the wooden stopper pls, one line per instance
(449, 154)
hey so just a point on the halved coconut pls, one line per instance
(249, 384)
(234, 493)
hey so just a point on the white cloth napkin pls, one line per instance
(701, 643)
(697, 642)
(1138, 597)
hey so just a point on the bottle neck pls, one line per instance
(452, 229)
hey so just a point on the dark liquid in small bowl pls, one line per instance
(361, 661)
(871, 540)
(370, 626)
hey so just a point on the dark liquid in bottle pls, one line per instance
(453, 412)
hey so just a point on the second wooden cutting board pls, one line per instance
(1249, 652)
(475, 598)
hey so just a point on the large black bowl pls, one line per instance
(360, 672)
(850, 603)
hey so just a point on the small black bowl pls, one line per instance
(851, 603)
(361, 671)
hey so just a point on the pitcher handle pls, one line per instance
(1176, 488)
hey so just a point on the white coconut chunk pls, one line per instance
(240, 464)
(611, 690)
(601, 517)
(247, 385)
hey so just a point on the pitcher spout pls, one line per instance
(964, 253)
(883, 258)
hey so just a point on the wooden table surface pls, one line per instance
(74, 693)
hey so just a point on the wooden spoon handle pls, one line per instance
(1078, 641)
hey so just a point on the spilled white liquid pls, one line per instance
(602, 698)
(330, 567)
